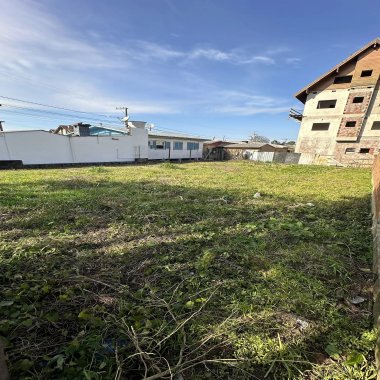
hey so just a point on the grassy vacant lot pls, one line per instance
(154, 271)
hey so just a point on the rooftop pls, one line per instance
(250, 145)
(302, 94)
(176, 136)
(253, 145)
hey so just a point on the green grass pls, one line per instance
(150, 271)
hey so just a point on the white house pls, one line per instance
(169, 146)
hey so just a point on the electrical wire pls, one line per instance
(34, 111)
(164, 130)
(58, 116)
(60, 108)
(54, 116)
(25, 111)
(17, 113)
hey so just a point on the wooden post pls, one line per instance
(4, 374)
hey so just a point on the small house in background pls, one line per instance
(290, 148)
(213, 150)
(246, 150)
(171, 146)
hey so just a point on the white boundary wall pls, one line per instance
(42, 147)
(262, 156)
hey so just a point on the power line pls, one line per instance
(176, 131)
(33, 111)
(60, 108)
(58, 120)
(16, 113)
(24, 122)
(45, 114)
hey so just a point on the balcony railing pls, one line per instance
(295, 114)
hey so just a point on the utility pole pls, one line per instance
(126, 117)
(125, 109)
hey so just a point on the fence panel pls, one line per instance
(265, 156)
(292, 158)
(279, 157)
(254, 155)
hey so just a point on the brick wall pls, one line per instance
(350, 131)
(356, 157)
(352, 108)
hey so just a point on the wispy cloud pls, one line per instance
(293, 61)
(99, 102)
(26, 30)
(147, 51)
(39, 52)
(278, 50)
(212, 101)
(211, 54)
(260, 59)
(44, 60)
(249, 110)
(246, 104)
(153, 51)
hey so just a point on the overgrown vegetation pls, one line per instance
(164, 270)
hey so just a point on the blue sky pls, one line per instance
(216, 68)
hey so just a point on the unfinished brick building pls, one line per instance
(341, 117)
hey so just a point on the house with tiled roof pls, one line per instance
(340, 121)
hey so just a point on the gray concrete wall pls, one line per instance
(292, 158)
(279, 157)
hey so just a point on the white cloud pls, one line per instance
(278, 50)
(102, 103)
(234, 58)
(39, 53)
(263, 59)
(246, 104)
(293, 61)
(147, 51)
(260, 59)
(28, 31)
(45, 61)
(249, 110)
(211, 54)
